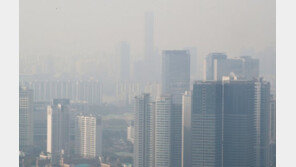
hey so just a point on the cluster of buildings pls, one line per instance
(228, 119)
(83, 91)
(58, 130)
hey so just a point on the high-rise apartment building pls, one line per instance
(25, 117)
(88, 136)
(175, 81)
(85, 136)
(142, 131)
(162, 141)
(89, 91)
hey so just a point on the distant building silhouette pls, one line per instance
(218, 65)
(124, 61)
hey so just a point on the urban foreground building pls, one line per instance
(162, 154)
(88, 136)
(206, 124)
(58, 128)
(175, 81)
(218, 65)
(25, 118)
(142, 131)
(230, 123)
(40, 125)
(186, 129)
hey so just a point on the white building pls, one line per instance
(88, 136)
(131, 132)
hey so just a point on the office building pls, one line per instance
(175, 81)
(186, 129)
(175, 72)
(272, 128)
(26, 108)
(218, 65)
(250, 67)
(58, 127)
(206, 124)
(196, 64)
(245, 124)
(40, 125)
(230, 123)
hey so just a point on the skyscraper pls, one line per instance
(175, 72)
(149, 41)
(245, 124)
(162, 132)
(206, 124)
(87, 136)
(124, 61)
(142, 131)
(272, 128)
(230, 123)
(58, 127)
(40, 124)
(25, 117)
(175, 81)
(186, 129)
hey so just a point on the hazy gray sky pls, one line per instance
(68, 27)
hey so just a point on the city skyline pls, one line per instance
(151, 84)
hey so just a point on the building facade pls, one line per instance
(162, 153)
(85, 136)
(142, 131)
(26, 107)
(58, 127)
